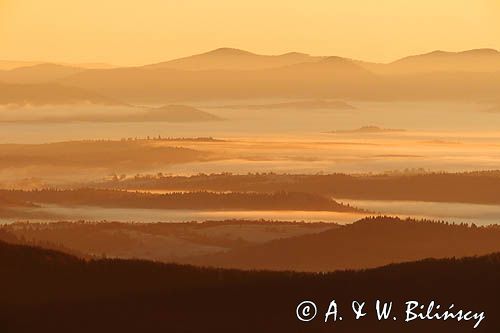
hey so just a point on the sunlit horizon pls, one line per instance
(127, 34)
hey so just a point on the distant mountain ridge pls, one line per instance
(6, 65)
(114, 113)
(178, 114)
(227, 73)
(370, 129)
(233, 59)
(39, 73)
(316, 104)
(49, 94)
(236, 74)
(477, 60)
(228, 59)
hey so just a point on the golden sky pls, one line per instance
(138, 32)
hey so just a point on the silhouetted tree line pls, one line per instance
(281, 200)
(467, 187)
(173, 138)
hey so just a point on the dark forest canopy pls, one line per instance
(48, 291)
(281, 200)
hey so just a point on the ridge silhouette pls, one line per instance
(47, 291)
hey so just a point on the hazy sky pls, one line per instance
(138, 32)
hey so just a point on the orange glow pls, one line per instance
(133, 32)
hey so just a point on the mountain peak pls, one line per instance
(294, 54)
(338, 61)
(226, 58)
(484, 51)
(227, 51)
(335, 59)
(475, 60)
(437, 52)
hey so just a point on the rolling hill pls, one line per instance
(480, 187)
(117, 114)
(315, 104)
(233, 59)
(326, 78)
(181, 200)
(39, 73)
(175, 114)
(6, 65)
(11, 208)
(468, 61)
(423, 77)
(368, 243)
(370, 129)
(48, 291)
(236, 74)
(478, 60)
(95, 154)
(49, 94)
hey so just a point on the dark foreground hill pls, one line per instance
(47, 291)
(368, 243)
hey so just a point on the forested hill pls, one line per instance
(368, 243)
(47, 291)
(280, 200)
(467, 187)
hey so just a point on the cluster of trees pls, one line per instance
(172, 138)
